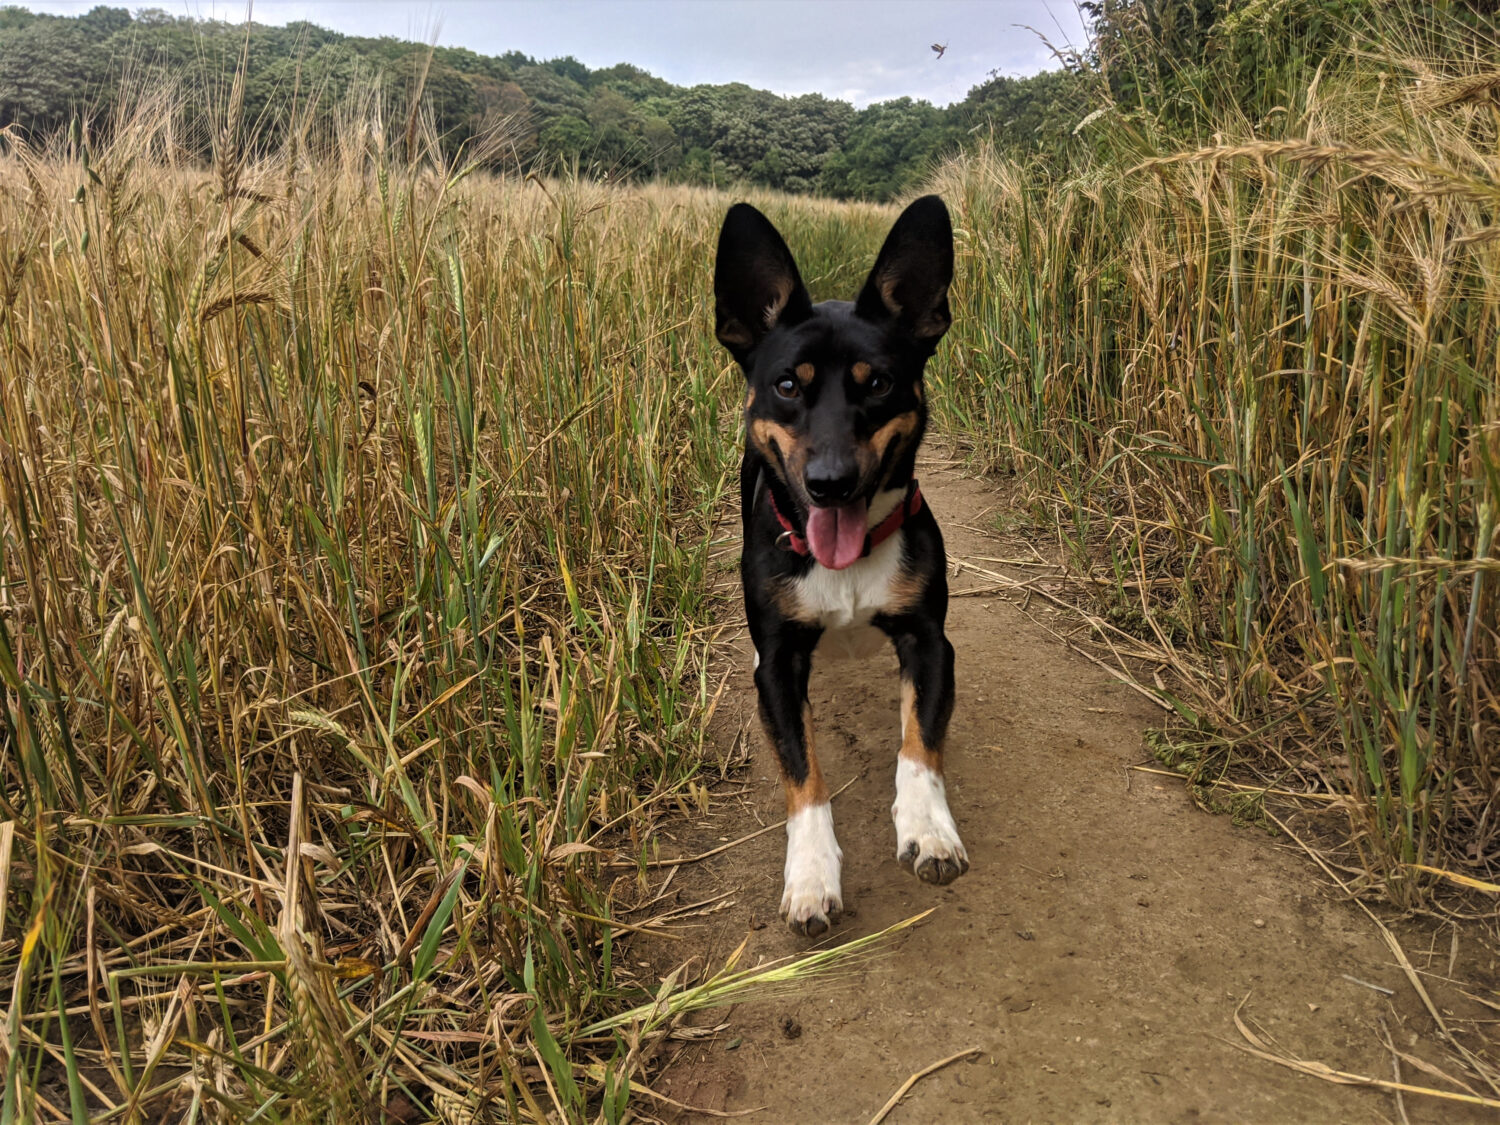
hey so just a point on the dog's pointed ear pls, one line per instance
(756, 283)
(909, 283)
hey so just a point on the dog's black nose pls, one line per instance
(831, 484)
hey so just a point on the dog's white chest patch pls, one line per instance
(845, 599)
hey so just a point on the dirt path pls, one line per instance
(1096, 951)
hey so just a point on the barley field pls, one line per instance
(1255, 388)
(356, 511)
(360, 511)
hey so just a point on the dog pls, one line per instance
(837, 536)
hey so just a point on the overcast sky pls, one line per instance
(857, 50)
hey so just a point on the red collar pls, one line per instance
(911, 504)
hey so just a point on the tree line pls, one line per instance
(1167, 67)
(619, 121)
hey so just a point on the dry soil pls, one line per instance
(1097, 950)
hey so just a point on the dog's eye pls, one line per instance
(788, 387)
(879, 385)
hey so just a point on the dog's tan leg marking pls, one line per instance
(812, 899)
(927, 842)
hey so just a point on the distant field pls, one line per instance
(365, 507)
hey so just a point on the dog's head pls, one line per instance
(835, 403)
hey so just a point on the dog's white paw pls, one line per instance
(812, 900)
(927, 842)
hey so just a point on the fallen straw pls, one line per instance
(730, 984)
(914, 1079)
(1261, 1050)
(1367, 984)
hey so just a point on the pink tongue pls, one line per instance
(837, 535)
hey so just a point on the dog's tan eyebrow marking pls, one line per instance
(861, 372)
(805, 373)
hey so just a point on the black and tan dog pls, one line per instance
(837, 537)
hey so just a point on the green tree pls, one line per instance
(662, 151)
(101, 22)
(632, 82)
(608, 109)
(1039, 113)
(567, 139)
(49, 69)
(13, 18)
(570, 69)
(889, 147)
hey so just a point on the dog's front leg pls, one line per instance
(811, 900)
(927, 842)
